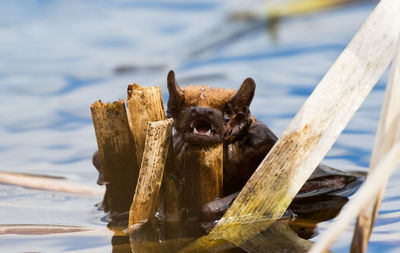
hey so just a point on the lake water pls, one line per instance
(57, 57)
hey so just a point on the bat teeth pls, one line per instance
(208, 133)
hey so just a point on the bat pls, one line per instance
(206, 115)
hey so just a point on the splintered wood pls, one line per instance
(144, 105)
(158, 138)
(117, 152)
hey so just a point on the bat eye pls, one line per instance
(227, 118)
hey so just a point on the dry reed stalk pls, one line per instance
(282, 9)
(144, 105)
(312, 132)
(47, 183)
(171, 194)
(202, 172)
(117, 153)
(54, 230)
(387, 134)
(368, 190)
(158, 138)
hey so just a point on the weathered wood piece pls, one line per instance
(117, 153)
(47, 183)
(312, 132)
(171, 194)
(30, 229)
(202, 174)
(387, 134)
(170, 200)
(158, 138)
(144, 105)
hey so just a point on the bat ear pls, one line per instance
(243, 97)
(176, 99)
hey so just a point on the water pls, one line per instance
(57, 57)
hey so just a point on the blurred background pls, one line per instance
(58, 57)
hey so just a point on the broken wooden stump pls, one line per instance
(170, 197)
(158, 138)
(202, 175)
(117, 153)
(172, 205)
(144, 105)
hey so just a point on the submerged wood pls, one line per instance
(202, 174)
(117, 153)
(144, 105)
(387, 134)
(312, 132)
(158, 138)
(48, 183)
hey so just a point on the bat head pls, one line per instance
(205, 115)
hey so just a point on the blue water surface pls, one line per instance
(58, 57)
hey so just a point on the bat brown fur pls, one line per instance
(205, 115)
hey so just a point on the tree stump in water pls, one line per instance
(144, 105)
(202, 174)
(117, 153)
(157, 143)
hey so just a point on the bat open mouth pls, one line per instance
(202, 127)
(202, 131)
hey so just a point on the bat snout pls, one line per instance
(203, 126)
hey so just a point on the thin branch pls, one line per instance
(388, 132)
